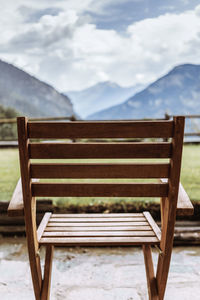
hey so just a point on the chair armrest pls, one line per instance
(16, 205)
(184, 205)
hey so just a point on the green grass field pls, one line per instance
(9, 174)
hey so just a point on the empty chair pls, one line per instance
(156, 163)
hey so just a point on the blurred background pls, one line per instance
(99, 60)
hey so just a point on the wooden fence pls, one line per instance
(195, 134)
(190, 137)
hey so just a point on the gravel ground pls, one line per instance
(97, 273)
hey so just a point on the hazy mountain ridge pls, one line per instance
(100, 96)
(178, 92)
(29, 95)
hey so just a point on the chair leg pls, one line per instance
(151, 280)
(162, 272)
(45, 293)
(35, 267)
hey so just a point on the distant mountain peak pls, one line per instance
(177, 92)
(29, 95)
(100, 96)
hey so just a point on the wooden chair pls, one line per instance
(101, 229)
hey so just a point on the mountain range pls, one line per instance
(177, 93)
(100, 96)
(30, 96)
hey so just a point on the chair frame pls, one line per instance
(175, 203)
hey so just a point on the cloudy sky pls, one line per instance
(73, 44)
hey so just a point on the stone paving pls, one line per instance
(97, 273)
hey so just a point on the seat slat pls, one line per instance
(53, 224)
(99, 150)
(98, 233)
(98, 220)
(99, 241)
(98, 215)
(107, 228)
(120, 170)
(100, 189)
(102, 129)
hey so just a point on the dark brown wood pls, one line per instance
(97, 228)
(151, 280)
(101, 129)
(184, 205)
(102, 230)
(100, 189)
(98, 215)
(29, 207)
(100, 150)
(92, 170)
(153, 224)
(97, 224)
(45, 294)
(170, 207)
(99, 241)
(16, 205)
(43, 225)
(98, 220)
(97, 233)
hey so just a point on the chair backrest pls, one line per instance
(47, 150)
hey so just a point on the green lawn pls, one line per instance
(9, 174)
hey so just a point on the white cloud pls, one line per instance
(67, 51)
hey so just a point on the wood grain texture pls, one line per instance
(45, 294)
(98, 215)
(101, 129)
(151, 280)
(93, 170)
(99, 150)
(29, 207)
(153, 224)
(184, 205)
(98, 220)
(97, 233)
(97, 224)
(43, 225)
(16, 205)
(99, 241)
(169, 214)
(99, 189)
(97, 228)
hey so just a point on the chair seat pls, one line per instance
(98, 229)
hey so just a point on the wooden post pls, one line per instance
(169, 213)
(29, 207)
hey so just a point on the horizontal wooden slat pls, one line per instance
(99, 233)
(101, 129)
(92, 170)
(96, 228)
(99, 241)
(57, 224)
(99, 150)
(100, 189)
(98, 220)
(98, 215)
